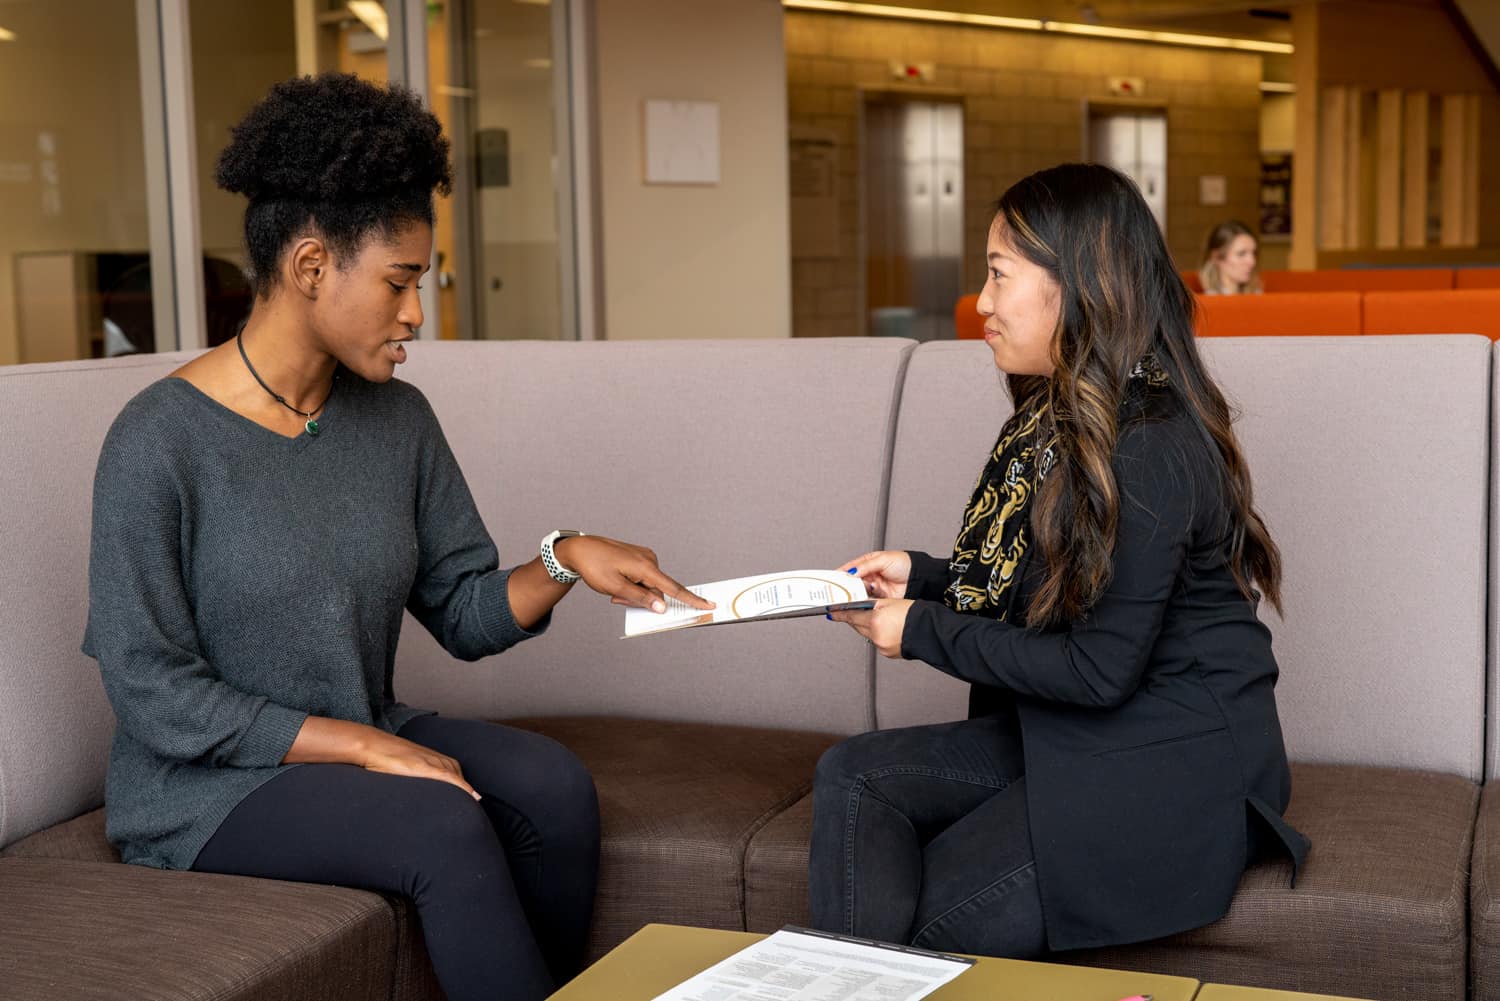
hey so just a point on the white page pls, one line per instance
(751, 597)
(796, 965)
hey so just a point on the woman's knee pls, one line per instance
(1001, 918)
(565, 787)
(845, 762)
(443, 820)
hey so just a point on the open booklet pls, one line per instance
(787, 595)
(796, 964)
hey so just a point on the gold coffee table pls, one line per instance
(659, 957)
(1224, 992)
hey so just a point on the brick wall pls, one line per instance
(1023, 95)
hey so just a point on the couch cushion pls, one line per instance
(776, 871)
(414, 978)
(80, 839)
(55, 723)
(84, 930)
(679, 804)
(1378, 911)
(1353, 442)
(729, 458)
(1484, 900)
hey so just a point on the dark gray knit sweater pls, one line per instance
(240, 581)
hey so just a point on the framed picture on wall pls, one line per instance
(1276, 196)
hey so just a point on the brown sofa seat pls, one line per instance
(680, 803)
(82, 840)
(776, 871)
(85, 930)
(1379, 909)
(1484, 900)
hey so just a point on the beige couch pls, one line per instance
(1372, 465)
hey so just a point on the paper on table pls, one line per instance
(785, 595)
(799, 965)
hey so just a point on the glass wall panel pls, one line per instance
(493, 83)
(72, 183)
(239, 49)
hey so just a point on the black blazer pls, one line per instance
(1154, 758)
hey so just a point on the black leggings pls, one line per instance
(504, 887)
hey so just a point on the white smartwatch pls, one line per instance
(556, 570)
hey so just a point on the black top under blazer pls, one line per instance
(1154, 758)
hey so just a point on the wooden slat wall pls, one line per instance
(1414, 170)
(1471, 170)
(1388, 170)
(1333, 174)
(1390, 153)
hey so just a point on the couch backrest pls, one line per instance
(55, 723)
(1492, 697)
(1281, 314)
(952, 406)
(1370, 463)
(728, 458)
(733, 457)
(1357, 279)
(1477, 277)
(1458, 311)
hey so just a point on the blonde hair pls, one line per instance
(1220, 237)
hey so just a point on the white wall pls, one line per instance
(1278, 123)
(695, 261)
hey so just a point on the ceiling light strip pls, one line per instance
(372, 13)
(1036, 24)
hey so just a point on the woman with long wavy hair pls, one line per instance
(1123, 761)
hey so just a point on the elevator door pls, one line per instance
(1134, 142)
(914, 195)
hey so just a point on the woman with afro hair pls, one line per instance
(262, 519)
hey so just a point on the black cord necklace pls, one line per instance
(311, 425)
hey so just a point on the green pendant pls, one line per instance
(312, 427)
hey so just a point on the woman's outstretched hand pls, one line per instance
(883, 572)
(628, 574)
(882, 625)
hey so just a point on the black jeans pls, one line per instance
(504, 887)
(920, 836)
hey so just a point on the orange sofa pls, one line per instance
(1469, 310)
(967, 322)
(1459, 311)
(1287, 313)
(1476, 278)
(1358, 280)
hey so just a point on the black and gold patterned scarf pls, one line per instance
(990, 552)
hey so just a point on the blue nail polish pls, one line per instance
(828, 616)
(854, 569)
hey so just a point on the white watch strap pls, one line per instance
(556, 570)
